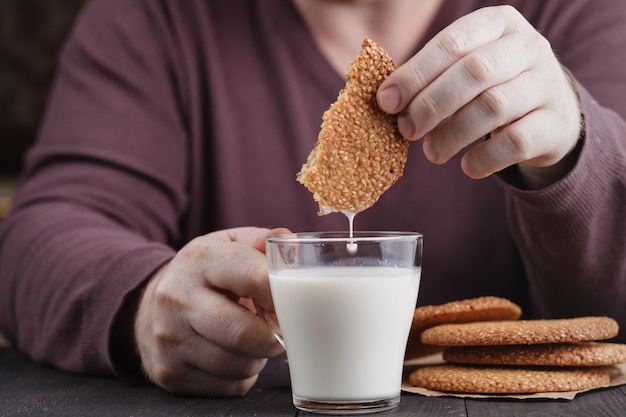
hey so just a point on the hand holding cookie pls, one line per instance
(489, 72)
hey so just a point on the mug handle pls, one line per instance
(271, 319)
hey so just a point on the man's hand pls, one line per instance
(195, 327)
(488, 72)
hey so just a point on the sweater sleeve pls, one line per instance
(572, 234)
(104, 189)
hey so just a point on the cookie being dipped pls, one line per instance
(359, 153)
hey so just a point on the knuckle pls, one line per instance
(162, 294)
(251, 367)
(241, 387)
(163, 337)
(195, 248)
(252, 272)
(518, 142)
(455, 43)
(429, 104)
(457, 140)
(509, 10)
(493, 104)
(167, 297)
(506, 13)
(165, 376)
(233, 366)
(479, 67)
(419, 76)
(240, 334)
(543, 44)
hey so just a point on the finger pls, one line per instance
(239, 269)
(190, 380)
(204, 385)
(448, 46)
(180, 363)
(492, 109)
(216, 262)
(486, 67)
(198, 352)
(232, 327)
(239, 266)
(517, 142)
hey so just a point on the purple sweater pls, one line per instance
(170, 119)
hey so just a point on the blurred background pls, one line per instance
(31, 35)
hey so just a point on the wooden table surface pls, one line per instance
(27, 388)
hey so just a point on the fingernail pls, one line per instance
(390, 99)
(406, 126)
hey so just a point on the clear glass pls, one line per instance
(343, 311)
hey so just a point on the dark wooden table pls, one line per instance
(27, 388)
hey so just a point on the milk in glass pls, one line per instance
(345, 328)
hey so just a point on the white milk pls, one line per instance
(345, 329)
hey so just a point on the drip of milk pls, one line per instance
(352, 245)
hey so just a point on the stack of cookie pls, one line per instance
(521, 356)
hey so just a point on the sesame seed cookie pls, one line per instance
(359, 151)
(473, 309)
(557, 354)
(463, 311)
(503, 380)
(522, 332)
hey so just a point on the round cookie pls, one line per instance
(558, 354)
(502, 380)
(522, 332)
(463, 311)
(469, 310)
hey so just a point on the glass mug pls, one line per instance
(343, 311)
